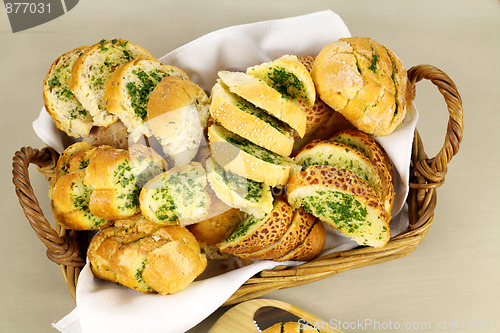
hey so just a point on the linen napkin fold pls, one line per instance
(105, 307)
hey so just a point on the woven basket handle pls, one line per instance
(434, 169)
(61, 250)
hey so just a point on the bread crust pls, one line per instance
(294, 236)
(361, 214)
(363, 81)
(225, 111)
(263, 234)
(311, 247)
(266, 98)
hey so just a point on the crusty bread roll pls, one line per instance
(343, 200)
(176, 196)
(61, 104)
(377, 155)
(129, 88)
(235, 191)
(146, 257)
(364, 81)
(263, 96)
(339, 155)
(241, 117)
(293, 237)
(242, 157)
(255, 234)
(178, 110)
(92, 70)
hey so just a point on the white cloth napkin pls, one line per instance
(105, 307)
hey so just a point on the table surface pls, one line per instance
(452, 276)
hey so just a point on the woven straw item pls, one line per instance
(68, 248)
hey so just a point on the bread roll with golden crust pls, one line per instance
(146, 257)
(377, 155)
(364, 81)
(344, 201)
(178, 110)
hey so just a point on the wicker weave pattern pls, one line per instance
(67, 248)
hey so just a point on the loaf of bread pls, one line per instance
(145, 256)
(243, 118)
(235, 191)
(293, 237)
(255, 234)
(61, 104)
(177, 196)
(246, 159)
(343, 200)
(365, 144)
(93, 68)
(364, 81)
(178, 110)
(129, 88)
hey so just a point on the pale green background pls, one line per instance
(453, 274)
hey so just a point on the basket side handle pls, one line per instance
(434, 169)
(61, 250)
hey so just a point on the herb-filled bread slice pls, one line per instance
(93, 68)
(250, 122)
(246, 159)
(255, 234)
(343, 200)
(338, 155)
(365, 144)
(129, 88)
(265, 97)
(289, 76)
(177, 196)
(239, 192)
(295, 235)
(61, 104)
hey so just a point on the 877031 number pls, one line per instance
(27, 8)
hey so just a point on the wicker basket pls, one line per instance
(68, 248)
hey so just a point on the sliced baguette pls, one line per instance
(255, 234)
(128, 90)
(295, 235)
(61, 104)
(263, 96)
(289, 76)
(376, 154)
(248, 160)
(238, 192)
(241, 117)
(177, 196)
(338, 155)
(344, 201)
(92, 70)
